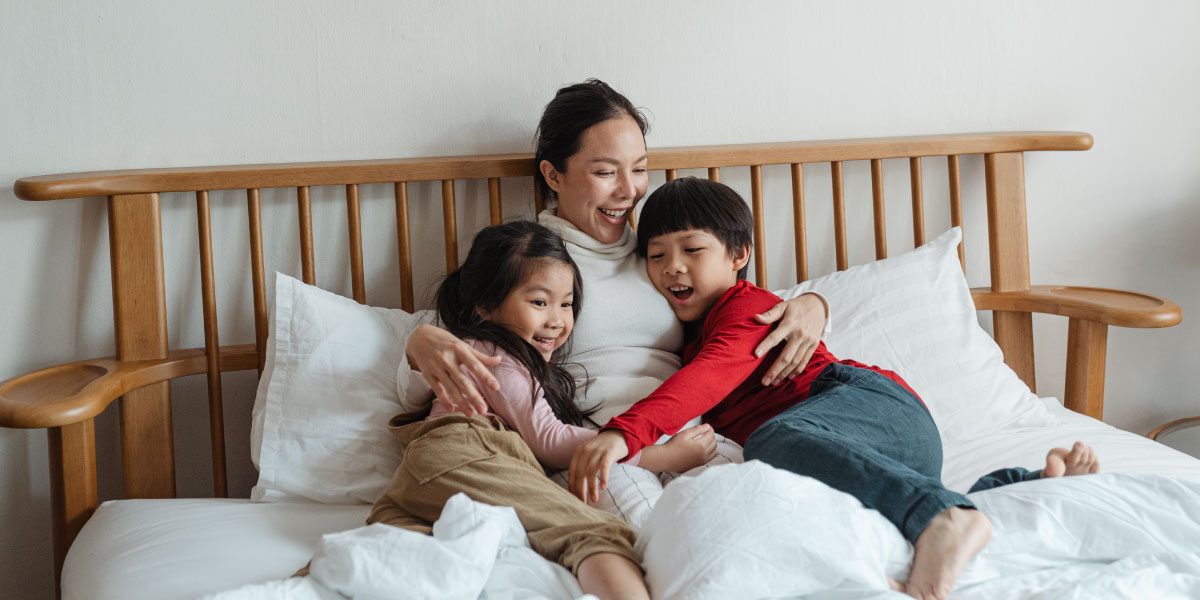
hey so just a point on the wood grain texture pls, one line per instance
(140, 316)
(450, 225)
(354, 221)
(1110, 307)
(257, 274)
(73, 392)
(73, 486)
(956, 205)
(308, 268)
(799, 226)
(760, 234)
(839, 215)
(404, 247)
(879, 211)
(1008, 249)
(212, 347)
(494, 200)
(1087, 343)
(918, 200)
(186, 179)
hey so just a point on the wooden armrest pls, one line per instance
(1110, 307)
(74, 392)
(1090, 312)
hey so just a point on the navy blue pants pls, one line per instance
(864, 434)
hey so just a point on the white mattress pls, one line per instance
(187, 548)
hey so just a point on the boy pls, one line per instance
(857, 428)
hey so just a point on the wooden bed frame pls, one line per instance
(64, 399)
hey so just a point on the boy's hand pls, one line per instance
(689, 448)
(593, 459)
(801, 323)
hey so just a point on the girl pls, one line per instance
(516, 298)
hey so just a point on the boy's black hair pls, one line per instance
(692, 203)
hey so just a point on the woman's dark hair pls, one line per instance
(573, 110)
(500, 259)
(691, 203)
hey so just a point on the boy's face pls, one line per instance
(692, 269)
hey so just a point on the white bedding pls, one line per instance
(188, 548)
(1112, 534)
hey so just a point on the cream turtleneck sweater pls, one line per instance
(626, 339)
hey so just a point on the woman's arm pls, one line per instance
(802, 321)
(441, 357)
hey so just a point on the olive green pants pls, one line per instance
(490, 463)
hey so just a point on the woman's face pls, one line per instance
(603, 180)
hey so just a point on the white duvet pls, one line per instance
(752, 531)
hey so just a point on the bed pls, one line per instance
(312, 497)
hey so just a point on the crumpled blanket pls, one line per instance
(473, 546)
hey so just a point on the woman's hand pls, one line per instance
(588, 472)
(685, 450)
(801, 323)
(441, 357)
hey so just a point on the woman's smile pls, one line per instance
(604, 179)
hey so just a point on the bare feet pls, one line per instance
(943, 549)
(1079, 460)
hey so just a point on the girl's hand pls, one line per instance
(801, 323)
(688, 449)
(441, 357)
(588, 472)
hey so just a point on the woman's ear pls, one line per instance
(742, 258)
(550, 174)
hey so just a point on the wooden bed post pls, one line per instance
(1087, 349)
(1008, 244)
(140, 312)
(72, 451)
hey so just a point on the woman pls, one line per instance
(590, 151)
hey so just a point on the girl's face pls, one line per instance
(603, 180)
(539, 310)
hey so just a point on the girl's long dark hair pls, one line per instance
(500, 259)
(573, 110)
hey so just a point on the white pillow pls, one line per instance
(319, 426)
(913, 314)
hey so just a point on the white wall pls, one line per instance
(149, 84)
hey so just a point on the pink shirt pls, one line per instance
(552, 441)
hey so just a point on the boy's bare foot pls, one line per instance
(943, 549)
(1079, 460)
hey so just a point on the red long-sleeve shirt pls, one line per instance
(721, 378)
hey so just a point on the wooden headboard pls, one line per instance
(64, 399)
